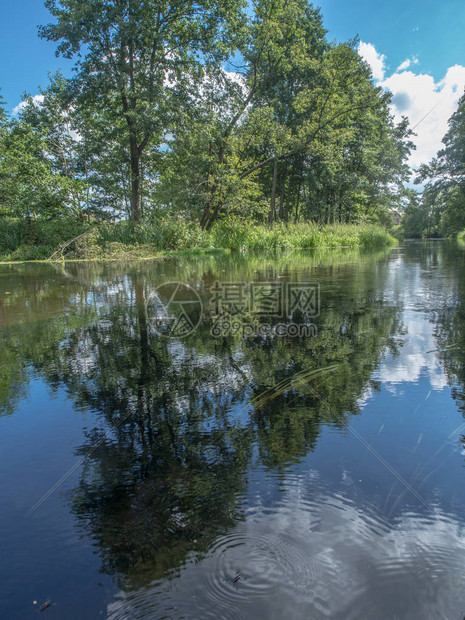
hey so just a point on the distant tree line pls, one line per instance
(440, 210)
(204, 110)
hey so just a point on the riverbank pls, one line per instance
(71, 240)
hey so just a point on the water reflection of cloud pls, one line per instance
(416, 357)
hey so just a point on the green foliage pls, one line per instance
(32, 252)
(29, 186)
(40, 170)
(414, 222)
(444, 178)
(373, 236)
(397, 232)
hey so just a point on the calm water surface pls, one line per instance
(153, 471)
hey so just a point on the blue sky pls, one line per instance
(26, 60)
(431, 30)
(425, 37)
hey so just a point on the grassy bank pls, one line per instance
(58, 239)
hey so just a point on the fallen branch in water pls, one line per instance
(60, 250)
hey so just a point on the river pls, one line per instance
(235, 436)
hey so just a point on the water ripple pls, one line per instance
(321, 557)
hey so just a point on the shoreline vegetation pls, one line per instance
(169, 145)
(59, 240)
(199, 127)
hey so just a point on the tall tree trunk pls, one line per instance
(207, 214)
(282, 216)
(299, 187)
(135, 179)
(272, 213)
(214, 216)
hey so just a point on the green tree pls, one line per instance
(55, 119)
(301, 130)
(30, 186)
(133, 57)
(445, 176)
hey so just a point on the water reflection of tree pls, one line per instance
(449, 317)
(181, 419)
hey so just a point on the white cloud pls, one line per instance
(404, 65)
(408, 62)
(428, 104)
(376, 61)
(37, 99)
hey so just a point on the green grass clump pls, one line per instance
(240, 236)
